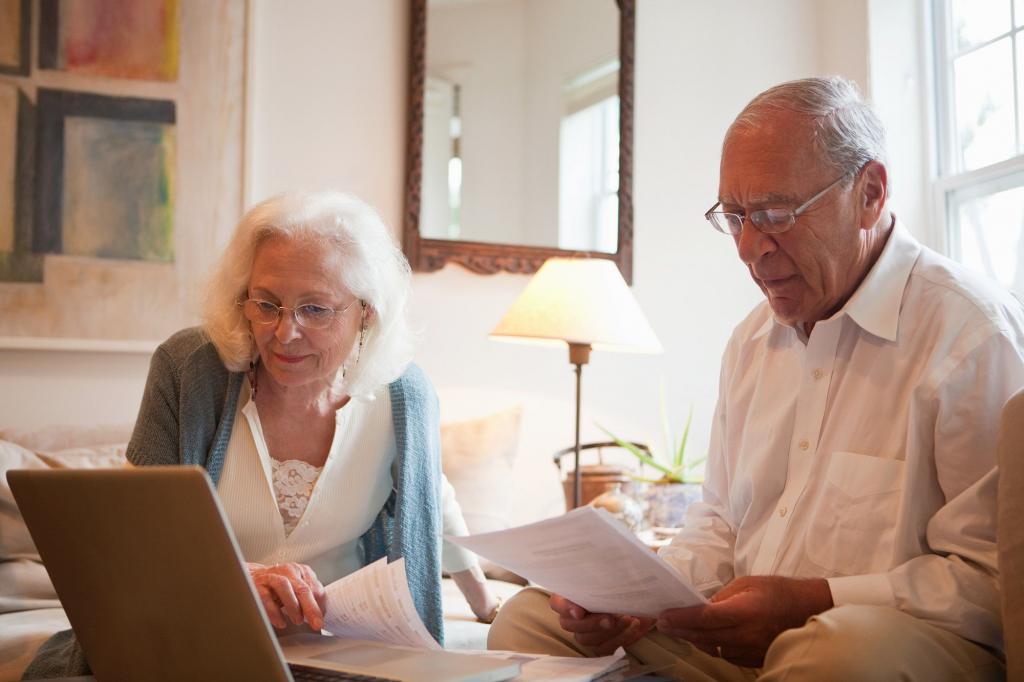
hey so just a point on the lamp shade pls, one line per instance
(579, 301)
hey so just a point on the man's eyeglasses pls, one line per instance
(767, 220)
(308, 315)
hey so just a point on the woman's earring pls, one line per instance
(362, 330)
(252, 377)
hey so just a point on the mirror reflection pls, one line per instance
(521, 123)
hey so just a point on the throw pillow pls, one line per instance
(24, 583)
(23, 579)
(478, 457)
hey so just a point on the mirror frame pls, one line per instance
(428, 255)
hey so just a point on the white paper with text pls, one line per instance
(375, 603)
(589, 557)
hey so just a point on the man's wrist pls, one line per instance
(810, 597)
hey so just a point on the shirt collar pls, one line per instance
(875, 305)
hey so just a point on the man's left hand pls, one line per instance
(746, 616)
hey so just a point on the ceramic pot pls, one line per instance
(667, 503)
(621, 506)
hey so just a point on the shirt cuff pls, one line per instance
(870, 590)
(455, 558)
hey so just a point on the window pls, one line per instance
(588, 162)
(979, 49)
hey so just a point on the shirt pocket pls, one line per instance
(853, 523)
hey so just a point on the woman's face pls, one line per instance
(294, 272)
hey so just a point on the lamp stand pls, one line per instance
(579, 355)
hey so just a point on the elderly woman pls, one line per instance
(298, 398)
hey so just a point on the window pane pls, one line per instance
(1020, 85)
(991, 235)
(1018, 12)
(984, 105)
(977, 21)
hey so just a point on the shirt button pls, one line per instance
(782, 511)
(818, 374)
(804, 444)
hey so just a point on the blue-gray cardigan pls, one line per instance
(187, 413)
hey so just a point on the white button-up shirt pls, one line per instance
(866, 453)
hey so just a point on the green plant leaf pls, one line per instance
(637, 452)
(692, 468)
(666, 426)
(680, 456)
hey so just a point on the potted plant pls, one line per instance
(667, 496)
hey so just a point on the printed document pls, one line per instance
(536, 667)
(375, 603)
(588, 557)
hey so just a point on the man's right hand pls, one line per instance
(602, 632)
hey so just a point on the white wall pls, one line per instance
(329, 109)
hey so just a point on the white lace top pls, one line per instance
(293, 484)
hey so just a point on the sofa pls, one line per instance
(482, 454)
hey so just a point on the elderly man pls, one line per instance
(847, 530)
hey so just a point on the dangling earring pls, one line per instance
(252, 366)
(252, 379)
(362, 330)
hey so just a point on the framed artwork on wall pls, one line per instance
(123, 152)
(15, 19)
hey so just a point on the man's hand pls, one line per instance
(602, 632)
(746, 616)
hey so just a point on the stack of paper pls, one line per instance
(375, 603)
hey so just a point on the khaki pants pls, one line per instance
(845, 643)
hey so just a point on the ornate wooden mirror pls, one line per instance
(520, 133)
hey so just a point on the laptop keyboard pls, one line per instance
(302, 673)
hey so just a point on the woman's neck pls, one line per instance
(311, 399)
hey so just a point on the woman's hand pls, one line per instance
(481, 598)
(290, 592)
(602, 632)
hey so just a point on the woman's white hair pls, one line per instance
(848, 132)
(374, 270)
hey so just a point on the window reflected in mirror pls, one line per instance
(521, 123)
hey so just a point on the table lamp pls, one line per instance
(585, 303)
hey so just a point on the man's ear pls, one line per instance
(873, 191)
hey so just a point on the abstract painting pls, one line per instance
(15, 17)
(106, 176)
(127, 169)
(135, 39)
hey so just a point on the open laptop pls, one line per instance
(153, 583)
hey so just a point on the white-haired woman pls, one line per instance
(299, 399)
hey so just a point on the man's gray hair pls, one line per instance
(374, 270)
(848, 132)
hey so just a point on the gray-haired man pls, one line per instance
(847, 529)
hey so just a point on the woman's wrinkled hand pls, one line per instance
(290, 592)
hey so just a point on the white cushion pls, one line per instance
(478, 457)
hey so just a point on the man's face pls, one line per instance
(811, 270)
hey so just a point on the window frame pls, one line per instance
(948, 177)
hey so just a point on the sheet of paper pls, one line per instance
(375, 603)
(590, 558)
(558, 668)
(564, 669)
